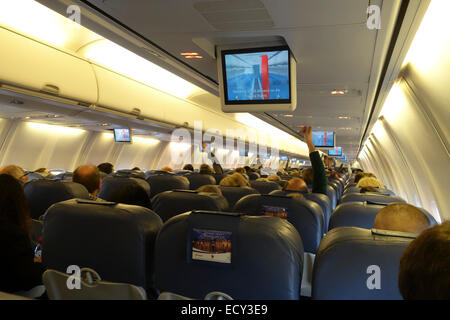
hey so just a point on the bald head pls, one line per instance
(88, 176)
(296, 184)
(14, 171)
(401, 217)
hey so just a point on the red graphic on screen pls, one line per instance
(265, 76)
(325, 138)
(124, 135)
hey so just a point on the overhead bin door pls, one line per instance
(32, 65)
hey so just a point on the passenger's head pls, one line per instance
(240, 170)
(188, 167)
(15, 172)
(248, 169)
(106, 167)
(369, 182)
(206, 169)
(42, 171)
(13, 203)
(263, 179)
(234, 180)
(210, 188)
(296, 184)
(295, 173)
(424, 272)
(359, 176)
(401, 217)
(88, 176)
(167, 169)
(136, 169)
(132, 194)
(308, 175)
(274, 177)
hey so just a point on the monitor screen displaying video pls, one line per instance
(122, 135)
(335, 152)
(323, 139)
(257, 75)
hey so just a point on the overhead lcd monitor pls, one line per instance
(283, 158)
(257, 79)
(335, 152)
(122, 135)
(323, 139)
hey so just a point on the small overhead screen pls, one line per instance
(257, 79)
(323, 139)
(122, 135)
(335, 152)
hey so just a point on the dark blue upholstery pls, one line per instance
(342, 267)
(126, 173)
(306, 216)
(116, 240)
(253, 175)
(196, 180)
(66, 176)
(41, 194)
(337, 188)
(265, 187)
(110, 184)
(370, 197)
(361, 215)
(219, 177)
(322, 200)
(266, 258)
(332, 195)
(354, 214)
(166, 182)
(171, 203)
(357, 190)
(156, 172)
(233, 194)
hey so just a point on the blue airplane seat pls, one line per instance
(370, 197)
(166, 182)
(248, 257)
(234, 194)
(265, 187)
(196, 180)
(112, 185)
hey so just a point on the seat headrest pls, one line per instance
(66, 176)
(127, 173)
(370, 197)
(171, 203)
(245, 256)
(156, 172)
(331, 192)
(41, 194)
(253, 175)
(265, 187)
(383, 191)
(114, 239)
(362, 215)
(117, 189)
(306, 216)
(354, 263)
(196, 180)
(166, 182)
(233, 194)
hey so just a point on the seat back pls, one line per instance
(370, 197)
(41, 194)
(233, 194)
(322, 200)
(359, 264)
(386, 192)
(166, 182)
(253, 175)
(245, 256)
(265, 187)
(306, 216)
(116, 240)
(127, 173)
(91, 287)
(66, 176)
(331, 192)
(171, 203)
(196, 180)
(111, 184)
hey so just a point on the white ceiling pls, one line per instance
(329, 38)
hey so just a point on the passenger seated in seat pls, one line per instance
(167, 169)
(401, 217)
(136, 169)
(43, 172)
(89, 176)
(308, 175)
(188, 167)
(131, 194)
(234, 180)
(424, 272)
(296, 195)
(274, 177)
(206, 169)
(369, 189)
(319, 183)
(210, 188)
(106, 167)
(15, 171)
(18, 272)
(369, 182)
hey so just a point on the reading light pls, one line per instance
(338, 92)
(189, 53)
(344, 117)
(145, 140)
(54, 129)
